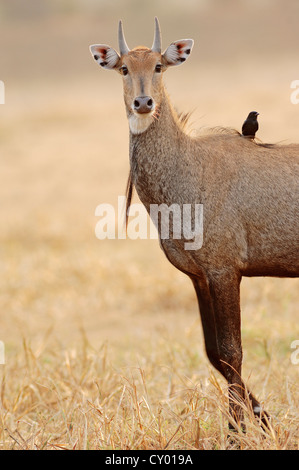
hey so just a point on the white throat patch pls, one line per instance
(139, 124)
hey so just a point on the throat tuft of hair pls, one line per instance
(129, 195)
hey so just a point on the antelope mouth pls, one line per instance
(140, 120)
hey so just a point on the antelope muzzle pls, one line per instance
(143, 104)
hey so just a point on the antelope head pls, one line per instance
(141, 69)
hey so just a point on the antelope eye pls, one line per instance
(158, 68)
(124, 70)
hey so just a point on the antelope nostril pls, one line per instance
(143, 104)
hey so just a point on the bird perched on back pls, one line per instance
(250, 126)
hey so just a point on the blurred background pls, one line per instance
(64, 151)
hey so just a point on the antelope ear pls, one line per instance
(177, 52)
(105, 56)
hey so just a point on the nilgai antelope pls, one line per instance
(249, 193)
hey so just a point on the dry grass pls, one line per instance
(99, 358)
(103, 343)
(77, 399)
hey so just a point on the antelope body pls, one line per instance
(249, 193)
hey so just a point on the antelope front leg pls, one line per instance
(219, 304)
(225, 299)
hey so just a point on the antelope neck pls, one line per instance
(157, 156)
(163, 132)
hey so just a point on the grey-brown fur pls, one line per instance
(250, 195)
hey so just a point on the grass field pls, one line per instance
(103, 344)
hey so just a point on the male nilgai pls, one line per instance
(249, 194)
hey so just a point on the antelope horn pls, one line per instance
(123, 46)
(156, 47)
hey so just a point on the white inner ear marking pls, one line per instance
(171, 53)
(105, 56)
(178, 51)
(111, 58)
